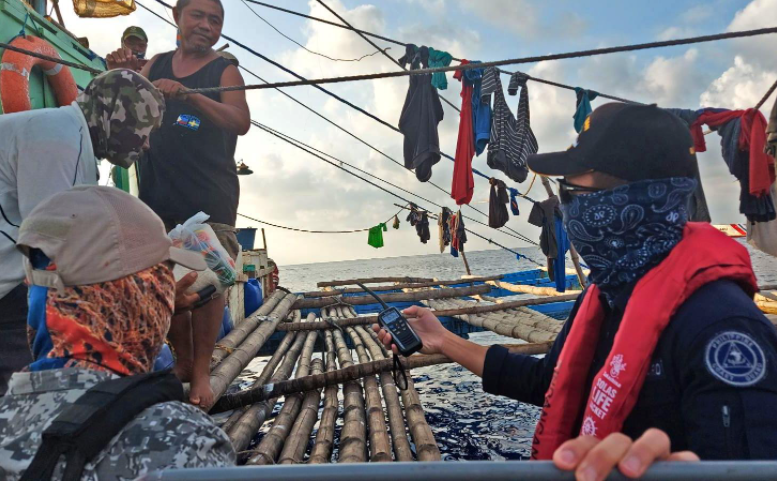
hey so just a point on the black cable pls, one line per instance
(499, 63)
(304, 47)
(51, 59)
(340, 127)
(8, 237)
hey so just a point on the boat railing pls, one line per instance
(468, 471)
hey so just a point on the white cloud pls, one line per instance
(740, 87)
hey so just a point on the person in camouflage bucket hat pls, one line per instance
(46, 151)
(121, 108)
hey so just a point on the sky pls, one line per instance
(291, 188)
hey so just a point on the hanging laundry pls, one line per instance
(514, 200)
(584, 98)
(375, 238)
(559, 275)
(414, 216)
(763, 235)
(422, 228)
(742, 135)
(458, 234)
(771, 134)
(497, 205)
(544, 215)
(504, 148)
(421, 114)
(527, 142)
(438, 58)
(443, 228)
(396, 222)
(463, 183)
(481, 109)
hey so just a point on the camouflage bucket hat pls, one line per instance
(121, 108)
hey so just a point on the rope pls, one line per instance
(339, 163)
(67, 63)
(304, 47)
(529, 188)
(766, 96)
(404, 44)
(306, 231)
(499, 63)
(385, 54)
(359, 109)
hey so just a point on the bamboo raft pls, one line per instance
(331, 378)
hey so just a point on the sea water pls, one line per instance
(467, 423)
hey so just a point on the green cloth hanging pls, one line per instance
(438, 58)
(584, 109)
(375, 238)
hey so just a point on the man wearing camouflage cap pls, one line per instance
(46, 151)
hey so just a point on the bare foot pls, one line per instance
(183, 370)
(201, 395)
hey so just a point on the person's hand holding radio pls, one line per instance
(425, 325)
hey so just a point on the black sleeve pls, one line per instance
(523, 377)
(727, 375)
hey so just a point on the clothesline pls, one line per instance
(405, 44)
(517, 254)
(499, 63)
(354, 231)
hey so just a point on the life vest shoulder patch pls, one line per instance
(735, 359)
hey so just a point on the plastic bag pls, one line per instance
(197, 236)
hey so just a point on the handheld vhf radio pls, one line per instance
(390, 319)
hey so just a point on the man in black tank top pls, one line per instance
(190, 166)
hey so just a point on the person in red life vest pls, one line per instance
(666, 336)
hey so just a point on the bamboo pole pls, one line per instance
(255, 415)
(297, 441)
(395, 297)
(572, 251)
(322, 449)
(348, 373)
(272, 442)
(423, 438)
(477, 309)
(394, 287)
(267, 371)
(242, 330)
(353, 437)
(402, 449)
(373, 280)
(380, 444)
(524, 289)
(231, 367)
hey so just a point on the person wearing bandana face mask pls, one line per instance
(46, 151)
(665, 346)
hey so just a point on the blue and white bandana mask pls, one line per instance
(622, 233)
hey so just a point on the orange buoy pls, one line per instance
(15, 69)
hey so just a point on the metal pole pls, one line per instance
(467, 471)
(572, 251)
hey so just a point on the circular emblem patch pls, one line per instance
(735, 359)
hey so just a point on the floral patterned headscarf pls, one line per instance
(117, 326)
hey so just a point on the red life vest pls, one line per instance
(703, 255)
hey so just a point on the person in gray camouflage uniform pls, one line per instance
(103, 318)
(46, 151)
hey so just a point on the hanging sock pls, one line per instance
(396, 222)
(504, 146)
(584, 98)
(481, 109)
(375, 238)
(514, 201)
(527, 141)
(771, 133)
(559, 263)
(497, 205)
(443, 228)
(422, 228)
(463, 183)
(414, 216)
(421, 114)
(438, 58)
(453, 224)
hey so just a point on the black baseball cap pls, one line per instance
(630, 142)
